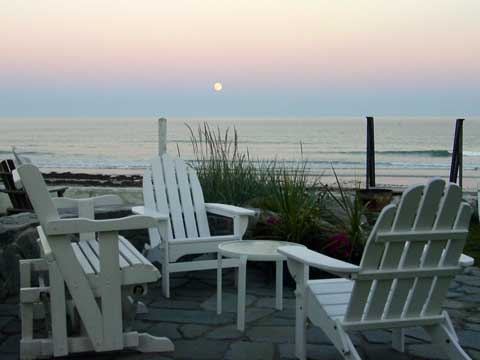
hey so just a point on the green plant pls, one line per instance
(351, 220)
(296, 204)
(226, 174)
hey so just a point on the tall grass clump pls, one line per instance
(228, 175)
(293, 199)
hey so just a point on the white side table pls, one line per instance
(250, 250)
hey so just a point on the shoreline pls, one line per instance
(119, 178)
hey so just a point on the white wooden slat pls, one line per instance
(86, 210)
(111, 299)
(198, 203)
(414, 236)
(452, 254)
(149, 203)
(160, 191)
(87, 268)
(134, 250)
(96, 250)
(334, 299)
(173, 198)
(335, 310)
(412, 255)
(59, 313)
(90, 255)
(80, 289)
(131, 253)
(319, 287)
(403, 221)
(447, 214)
(186, 198)
(371, 260)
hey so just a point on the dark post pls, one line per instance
(370, 153)
(456, 167)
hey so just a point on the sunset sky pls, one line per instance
(273, 58)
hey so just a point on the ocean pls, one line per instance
(407, 149)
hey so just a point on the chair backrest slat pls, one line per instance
(446, 216)
(412, 255)
(149, 201)
(371, 260)
(174, 189)
(199, 204)
(404, 218)
(450, 258)
(173, 197)
(437, 225)
(186, 198)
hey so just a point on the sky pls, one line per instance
(273, 58)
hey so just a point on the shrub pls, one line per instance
(227, 175)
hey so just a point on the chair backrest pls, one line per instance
(20, 159)
(36, 189)
(172, 187)
(412, 255)
(18, 197)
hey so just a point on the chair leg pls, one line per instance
(398, 340)
(300, 328)
(445, 336)
(165, 279)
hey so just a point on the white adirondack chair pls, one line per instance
(412, 254)
(104, 275)
(171, 187)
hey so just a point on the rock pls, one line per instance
(253, 314)
(469, 289)
(251, 351)
(188, 316)
(229, 302)
(164, 329)
(377, 336)
(314, 352)
(200, 349)
(469, 339)
(468, 280)
(271, 334)
(225, 333)
(427, 351)
(191, 331)
(269, 302)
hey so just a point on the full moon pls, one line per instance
(217, 86)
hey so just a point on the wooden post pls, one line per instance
(162, 136)
(456, 167)
(370, 153)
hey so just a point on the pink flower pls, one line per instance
(272, 220)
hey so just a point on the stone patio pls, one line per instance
(190, 321)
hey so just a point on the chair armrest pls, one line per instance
(317, 260)
(228, 210)
(466, 260)
(82, 225)
(142, 210)
(102, 200)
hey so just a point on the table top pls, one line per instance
(257, 250)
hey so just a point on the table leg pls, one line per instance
(219, 284)
(279, 285)
(242, 289)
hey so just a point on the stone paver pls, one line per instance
(189, 318)
(251, 351)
